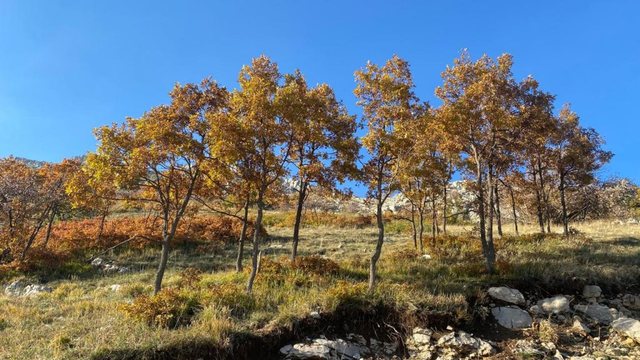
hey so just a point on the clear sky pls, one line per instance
(67, 67)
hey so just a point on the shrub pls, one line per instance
(169, 308)
(315, 265)
(231, 296)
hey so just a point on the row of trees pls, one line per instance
(229, 151)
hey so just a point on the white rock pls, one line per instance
(426, 257)
(306, 351)
(506, 294)
(512, 317)
(33, 290)
(600, 313)
(591, 291)
(314, 315)
(97, 262)
(421, 337)
(22, 288)
(627, 326)
(115, 287)
(556, 305)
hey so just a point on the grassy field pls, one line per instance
(97, 316)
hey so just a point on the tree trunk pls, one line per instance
(434, 224)
(538, 203)
(421, 233)
(101, 227)
(414, 227)
(513, 209)
(34, 234)
(498, 212)
(491, 255)
(243, 234)
(302, 193)
(49, 225)
(168, 234)
(481, 214)
(378, 251)
(256, 242)
(444, 209)
(565, 219)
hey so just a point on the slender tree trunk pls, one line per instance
(49, 225)
(34, 234)
(498, 211)
(538, 202)
(565, 219)
(302, 193)
(103, 218)
(378, 250)
(444, 209)
(257, 236)
(434, 224)
(421, 233)
(513, 209)
(164, 255)
(414, 227)
(491, 255)
(481, 214)
(243, 234)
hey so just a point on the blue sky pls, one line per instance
(67, 67)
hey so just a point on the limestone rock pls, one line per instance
(579, 327)
(22, 288)
(591, 291)
(627, 326)
(600, 313)
(464, 344)
(556, 305)
(506, 294)
(512, 317)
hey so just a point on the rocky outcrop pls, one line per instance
(23, 288)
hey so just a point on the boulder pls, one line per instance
(591, 291)
(631, 301)
(421, 337)
(554, 305)
(628, 327)
(512, 317)
(600, 313)
(506, 294)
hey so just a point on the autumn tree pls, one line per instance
(386, 96)
(576, 156)
(256, 140)
(323, 147)
(421, 169)
(157, 159)
(478, 111)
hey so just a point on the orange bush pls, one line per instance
(75, 235)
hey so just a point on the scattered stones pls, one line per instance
(628, 327)
(506, 294)
(338, 349)
(22, 288)
(600, 313)
(512, 317)
(631, 301)
(554, 305)
(465, 344)
(107, 267)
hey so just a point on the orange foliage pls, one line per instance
(78, 235)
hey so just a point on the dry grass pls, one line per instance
(82, 316)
